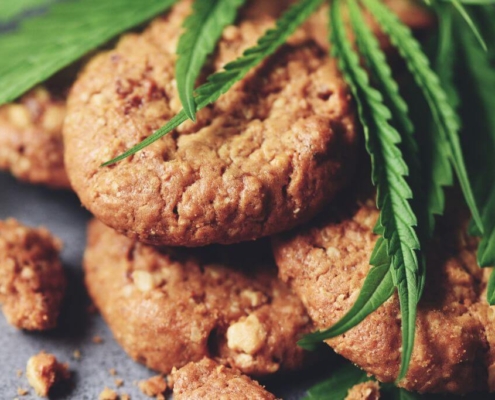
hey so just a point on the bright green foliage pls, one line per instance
(389, 175)
(202, 29)
(443, 113)
(44, 44)
(233, 72)
(11, 9)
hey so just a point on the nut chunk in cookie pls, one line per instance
(170, 306)
(326, 264)
(208, 380)
(267, 156)
(32, 281)
(31, 145)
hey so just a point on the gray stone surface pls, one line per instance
(60, 211)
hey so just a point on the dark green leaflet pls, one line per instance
(233, 72)
(389, 171)
(203, 28)
(377, 288)
(45, 44)
(443, 113)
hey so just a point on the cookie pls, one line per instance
(208, 380)
(326, 264)
(31, 146)
(167, 307)
(268, 155)
(364, 391)
(32, 281)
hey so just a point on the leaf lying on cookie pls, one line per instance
(202, 29)
(44, 44)
(220, 82)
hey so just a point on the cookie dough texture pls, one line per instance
(167, 307)
(208, 380)
(326, 264)
(31, 145)
(265, 157)
(32, 281)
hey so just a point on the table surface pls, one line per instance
(61, 212)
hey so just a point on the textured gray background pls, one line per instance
(60, 211)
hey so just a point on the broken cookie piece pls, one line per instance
(364, 391)
(32, 281)
(208, 380)
(43, 371)
(154, 386)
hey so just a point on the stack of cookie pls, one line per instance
(163, 262)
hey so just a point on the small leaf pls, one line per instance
(47, 43)
(469, 21)
(338, 385)
(203, 28)
(490, 289)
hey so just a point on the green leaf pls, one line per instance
(477, 81)
(11, 9)
(377, 288)
(490, 289)
(443, 113)
(469, 21)
(47, 43)
(203, 28)
(233, 72)
(338, 385)
(389, 171)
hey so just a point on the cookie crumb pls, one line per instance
(19, 373)
(108, 394)
(118, 382)
(364, 391)
(76, 354)
(125, 396)
(112, 371)
(154, 386)
(97, 339)
(43, 371)
(22, 391)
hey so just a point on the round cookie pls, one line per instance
(208, 380)
(167, 307)
(326, 264)
(264, 158)
(32, 281)
(31, 145)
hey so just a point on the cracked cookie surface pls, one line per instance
(32, 281)
(167, 307)
(265, 157)
(326, 264)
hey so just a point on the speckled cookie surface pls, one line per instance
(326, 264)
(208, 380)
(265, 157)
(167, 307)
(32, 282)
(31, 145)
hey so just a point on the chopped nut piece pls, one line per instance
(143, 280)
(154, 386)
(247, 336)
(108, 394)
(43, 371)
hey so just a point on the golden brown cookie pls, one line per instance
(31, 145)
(265, 157)
(326, 264)
(364, 391)
(167, 307)
(208, 380)
(32, 281)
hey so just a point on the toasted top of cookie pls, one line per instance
(31, 145)
(32, 281)
(326, 264)
(265, 157)
(207, 380)
(168, 306)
